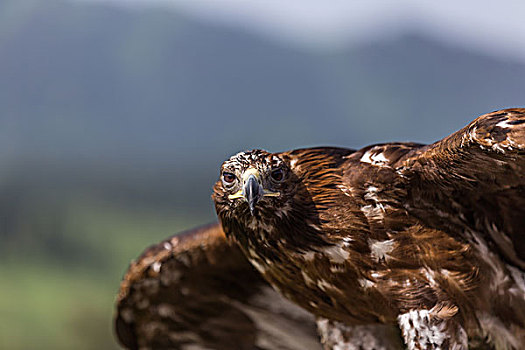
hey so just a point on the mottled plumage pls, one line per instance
(195, 288)
(423, 243)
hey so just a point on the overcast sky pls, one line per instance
(495, 27)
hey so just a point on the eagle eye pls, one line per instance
(277, 175)
(228, 178)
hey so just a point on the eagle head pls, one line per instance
(253, 185)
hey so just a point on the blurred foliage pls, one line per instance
(49, 306)
(59, 272)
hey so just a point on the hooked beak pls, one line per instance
(252, 190)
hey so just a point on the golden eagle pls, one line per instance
(398, 243)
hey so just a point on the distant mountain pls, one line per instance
(101, 82)
(88, 82)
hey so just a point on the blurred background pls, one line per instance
(116, 115)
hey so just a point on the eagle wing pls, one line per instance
(195, 289)
(473, 182)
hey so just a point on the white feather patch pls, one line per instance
(373, 211)
(379, 250)
(377, 159)
(504, 124)
(336, 254)
(365, 284)
(418, 330)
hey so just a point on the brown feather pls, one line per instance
(370, 235)
(194, 289)
(427, 238)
